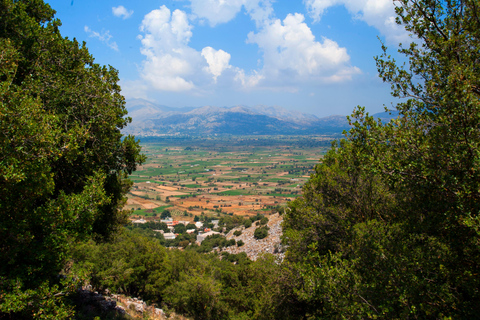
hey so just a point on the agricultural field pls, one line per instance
(217, 176)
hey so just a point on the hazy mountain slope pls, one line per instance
(150, 119)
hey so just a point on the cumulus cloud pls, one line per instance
(248, 81)
(122, 12)
(292, 54)
(222, 11)
(218, 61)
(379, 14)
(104, 37)
(170, 63)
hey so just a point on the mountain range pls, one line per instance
(150, 119)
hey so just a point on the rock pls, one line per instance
(120, 310)
(139, 307)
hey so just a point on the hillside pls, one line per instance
(149, 119)
(253, 247)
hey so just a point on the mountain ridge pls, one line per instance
(150, 119)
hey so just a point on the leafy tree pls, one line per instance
(388, 226)
(165, 214)
(63, 162)
(191, 226)
(180, 228)
(263, 220)
(261, 232)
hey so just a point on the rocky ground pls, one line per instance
(253, 247)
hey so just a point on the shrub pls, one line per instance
(264, 221)
(260, 233)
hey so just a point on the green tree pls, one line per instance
(390, 219)
(261, 232)
(180, 228)
(63, 160)
(165, 214)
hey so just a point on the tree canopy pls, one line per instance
(63, 160)
(389, 225)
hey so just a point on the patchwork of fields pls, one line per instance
(215, 176)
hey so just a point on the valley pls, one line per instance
(222, 175)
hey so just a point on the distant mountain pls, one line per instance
(386, 116)
(150, 119)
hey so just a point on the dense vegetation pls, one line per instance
(388, 226)
(198, 285)
(63, 160)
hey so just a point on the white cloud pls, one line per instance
(291, 54)
(218, 61)
(170, 63)
(379, 14)
(122, 12)
(222, 11)
(248, 81)
(105, 37)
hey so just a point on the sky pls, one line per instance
(311, 56)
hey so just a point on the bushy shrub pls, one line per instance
(261, 232)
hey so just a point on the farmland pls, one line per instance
(228, 175)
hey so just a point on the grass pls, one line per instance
(150, 212)
(287, 195)
(233, 193)
(194, 186)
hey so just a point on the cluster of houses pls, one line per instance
(203, 233)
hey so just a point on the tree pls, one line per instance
(180, 228)
(389, 225)
(63, 161)
(165, 214)
(261, 232)
(191, 226)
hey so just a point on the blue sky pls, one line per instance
(314, 56)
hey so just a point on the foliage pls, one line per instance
(180, 228)
(231, 222)
(261, 232)
(132, 264)
(388, 226)
(191, 226)
(151, 225)
(198, 285)
(263, 220)
(63, 160)
(165, 214)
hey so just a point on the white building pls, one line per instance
(169, 236)
(203, 236)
